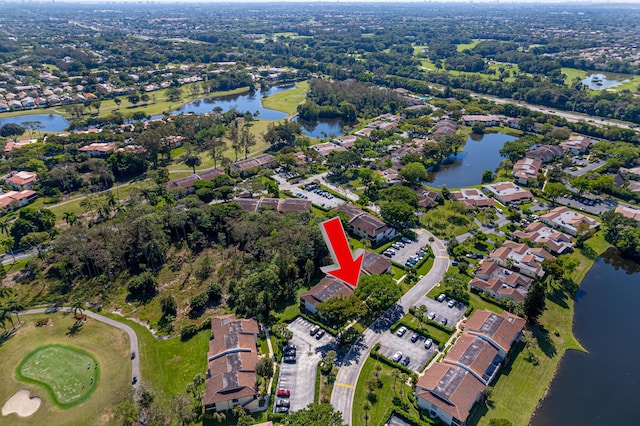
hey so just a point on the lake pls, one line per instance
(242, 102)
(466, 167)
(322, 128)
(604, 81)
(51, 122)
(600, 387)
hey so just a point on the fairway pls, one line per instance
(69, 374)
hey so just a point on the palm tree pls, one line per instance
(77, 305)
(70, 218)
(366, 407)
(4, 225)
(8, 244)
(15, 306)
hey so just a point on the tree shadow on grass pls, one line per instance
(559, 297)
(6, 335)
(74, 329)
(544, 341)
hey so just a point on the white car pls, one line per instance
(401, 331)
(428, 343)
(441, 298)
(452, 303)
(397, 356)
(431, 316)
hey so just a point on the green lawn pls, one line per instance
(288, 100)
(449, 219)
(108, 346)
(383, 396)
(571, 74)
(169, 365)
(464, 46)
(69, 374)
(522, 383)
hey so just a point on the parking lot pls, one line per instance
(442, 310)
(576, 203)
(300, 376)
(320, 199)
(410, 248)
(391, 343)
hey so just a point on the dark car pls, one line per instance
(414, 337)
(283, 403)
(284, 410)
(133, 355)
(134, 380)
(444, 321)
(290, 359)
(289, 349)
(283, 393)
(406, 361)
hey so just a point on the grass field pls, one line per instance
(383, 396)
(464, 46)
(448, 219)
(288, 100)
(108, 346)
(69, 374)
(571, 74)
(521, 383)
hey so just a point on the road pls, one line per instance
(7, 258)
(573, 117)
(133, 338)
(351, 366)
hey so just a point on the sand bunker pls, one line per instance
(22, 404)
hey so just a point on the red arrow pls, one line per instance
(348, 265)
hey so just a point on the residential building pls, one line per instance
(475, 355)
(100, 149)
(327, 148)
(520, 258)
(473, 198)
(327, 288)
(577, 144)
(282, 205)
(375, 264)
(427, 198)
(556, 242)
(11, 145)
(487, 120)
(365, 133)
(628, 211)
(346, 141)
(14, 199)
(508, 192)
(244, 167)
(526, 169)
(500, 283)
(366, 225)
(545, 153)
(448, 392)
(568, 220)
(231, 364)
(500, 330)
(22, 180)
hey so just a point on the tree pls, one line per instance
(247, 140)
(70, 217)
(133, 99)
(182, 408)
(264, 367)
(414, 173)
(8, 244)
(144, 285)
(233, 133)
(339, 310)
(11, 129)
(192, 160)
(379, 292)
(117, 101)
(35, 240)
(534, 302)
(168, 305)
(397, 213)
(78, 306)
(487, 176)
(366, 406)
(554, 190)
(314, 414)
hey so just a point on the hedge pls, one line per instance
(376, 355)
(317, 322)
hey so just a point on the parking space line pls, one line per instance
(442, 257)
(344, 385)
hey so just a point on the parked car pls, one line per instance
(444, 321)
(415, 337)
(284, 410)
(134, 380)
(451, 303)
(442, 297)
(406, 361)
(314, 330)
(289, 359)
(401, 331)
(428, 343)
(432, 315)
(289, 348)
(397, 356)
(319, 334)
(283, 393)
(133, 355)
(283, 403)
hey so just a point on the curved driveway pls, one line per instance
(347, 378)
(133, 338)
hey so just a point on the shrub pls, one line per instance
(199, 301)
(188, 332)
(144, 285)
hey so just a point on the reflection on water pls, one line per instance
(603, 81)
(600, 387)
(51, 122)
(322, 128)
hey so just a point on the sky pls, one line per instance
(327, 1)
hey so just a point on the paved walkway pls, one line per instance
(133, 338)
(351, 366)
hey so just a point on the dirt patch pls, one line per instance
(22, 404)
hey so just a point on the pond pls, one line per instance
(243, 102)
(604, 81)
(600, 386)
(51, 122)
(323, 128)
(466, 167)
